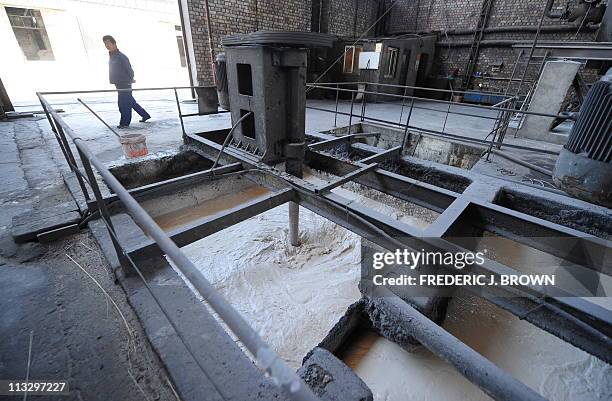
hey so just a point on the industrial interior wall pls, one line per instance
(351, 18)
(452, 17)
(344, 18)
(228, 17)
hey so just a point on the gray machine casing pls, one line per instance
(277, 98)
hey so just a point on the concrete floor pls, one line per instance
(77, 334)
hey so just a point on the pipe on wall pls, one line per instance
(483, 43)
(523, 28)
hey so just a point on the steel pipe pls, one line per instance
(393, 95)
(99, 118)
(496, 383)
(396, 86)
(294, 224)
(121, 90)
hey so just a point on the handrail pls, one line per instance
(266, 358)
(441, 134)
(405, 87)
(477, 106)
(120, 90)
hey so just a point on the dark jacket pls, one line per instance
(120, 71)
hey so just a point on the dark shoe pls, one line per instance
(144, 119)
(123, 126)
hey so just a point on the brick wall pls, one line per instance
(448, 17)
(345, 18)
(236, 16)
(350, 18)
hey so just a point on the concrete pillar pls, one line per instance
(556, 78)
(294, 224)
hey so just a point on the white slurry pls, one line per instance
(553, 368)
(293, 296)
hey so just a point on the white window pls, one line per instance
(29, 29)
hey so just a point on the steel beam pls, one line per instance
(399, 186)
(593, 322)
(328, 143)
(170, 185)
(556, 322)
(346, 178)
(591, 251)
(525, 229)
(573, 50)
(208, 225)
(443, 224)
(390, 154)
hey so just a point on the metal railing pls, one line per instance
(470, 364)
(504, 109)
(265, 357)
(174, 89)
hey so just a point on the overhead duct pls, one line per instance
(584, 166)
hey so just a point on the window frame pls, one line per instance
(392, 58)
(32, 23)
(354, 52)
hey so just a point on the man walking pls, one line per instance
(120, 74)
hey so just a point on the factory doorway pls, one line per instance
(61, 49)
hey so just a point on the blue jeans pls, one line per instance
(126, 103)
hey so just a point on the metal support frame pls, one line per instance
(575, 320)
(267, 359)
(388, 233)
